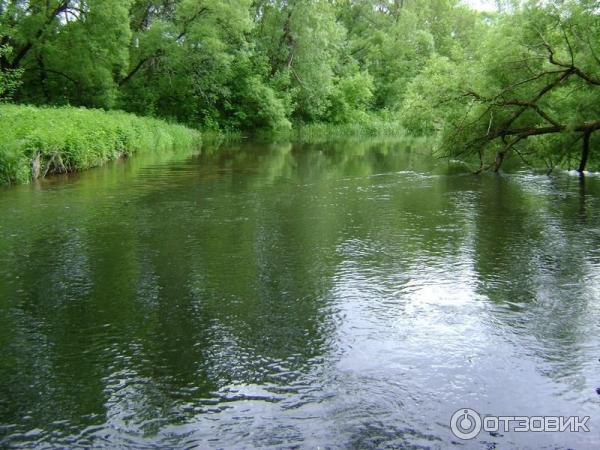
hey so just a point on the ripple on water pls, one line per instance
(277, 297)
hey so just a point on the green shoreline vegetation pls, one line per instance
(521, 82)
(36, 142)
(373, 126)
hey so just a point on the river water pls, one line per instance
(347, 295)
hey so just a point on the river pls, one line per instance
(349, 295)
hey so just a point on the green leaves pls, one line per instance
(532, 80)
(10, 79)
(226, 63)
(436, 65)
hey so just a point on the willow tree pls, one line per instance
(532, 88)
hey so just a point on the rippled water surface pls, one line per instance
(332, 296)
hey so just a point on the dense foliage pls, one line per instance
(530, 86)
(234, 64)
(39, 141)
(484, 83)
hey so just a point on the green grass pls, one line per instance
(35, 142)
(317, 132)
(369, 126)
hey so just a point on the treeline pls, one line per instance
(484, 83)
(235, 64)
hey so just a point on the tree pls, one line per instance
(535, 76)
(302, 41)
(68, 51)
(193, 61)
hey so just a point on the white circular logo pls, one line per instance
(465, 423)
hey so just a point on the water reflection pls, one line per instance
(349, 295)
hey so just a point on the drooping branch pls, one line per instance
(571, 67)
(566, 74)
(519, 134)
(533, 106)
(506, 128)
(586, 127)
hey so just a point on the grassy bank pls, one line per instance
(35, 142)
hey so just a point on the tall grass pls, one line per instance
(366, 126)
(35, 142)
(317, 132)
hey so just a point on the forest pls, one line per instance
(520, 81)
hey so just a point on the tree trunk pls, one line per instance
(498, 162)
(585, 151)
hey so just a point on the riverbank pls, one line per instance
(36, 142)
